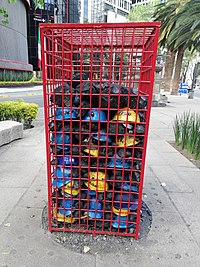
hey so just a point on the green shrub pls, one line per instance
(18, 111)
(177, 130)
(15, 75)
(187, 132)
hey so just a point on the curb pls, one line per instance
(14, 85)
(10, 131)
(4, 90)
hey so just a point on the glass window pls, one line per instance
(125, 5)
(85, 11)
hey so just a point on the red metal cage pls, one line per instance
(98, 81)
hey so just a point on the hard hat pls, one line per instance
(62, 218)
(123, 204)
(67, 160)
(62, 177)
(95, 115)
(122, 222)
(126, 186)
(67, 207)
(59, 138)
(127, 141)
(92, 151)
(126, 115)
(119, 163)
(97, 182)
(102, 136)
(70, 190)
(66, 114)
(95, 209)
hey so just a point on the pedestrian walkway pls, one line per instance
(174, 238)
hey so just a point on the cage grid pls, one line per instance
(98, 82)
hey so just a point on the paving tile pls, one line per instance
(174, 182)
(24, 243)
(8, 200)
(18, 174)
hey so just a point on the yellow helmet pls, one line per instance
(62, 218)
(126, 114)
(120, 212)
(97, 182)
(93, 151)
(69, 189)
(128, 141)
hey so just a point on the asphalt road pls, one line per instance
(28, 96)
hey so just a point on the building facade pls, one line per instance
(105, 10)
(117, 10)
(14, 64)
(145, 2)
(53, 11)
(141, 2)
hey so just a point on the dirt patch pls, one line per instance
(186, 155)
(100, 244)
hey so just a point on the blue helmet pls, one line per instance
(95, 209)
(119, 163)
(67, 207)
(122, 203)
(67, 160)
(62, 177)
(66, 114)
(95, 115)
(59, 138)
(91, 192)
(127, 187)
(121, 222)
(101, 137)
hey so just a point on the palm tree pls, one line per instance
(186, 34)
(166, 13)
(187, 25)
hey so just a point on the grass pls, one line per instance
(187, 132)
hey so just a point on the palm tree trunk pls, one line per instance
(177, 71)
(169, 66)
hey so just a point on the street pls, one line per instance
(27, 96)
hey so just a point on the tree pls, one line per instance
(180, 29)
(187, 26)
(186, 35)
(142, 12)
(166, 13)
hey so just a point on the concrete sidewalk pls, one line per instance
(174, 239)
